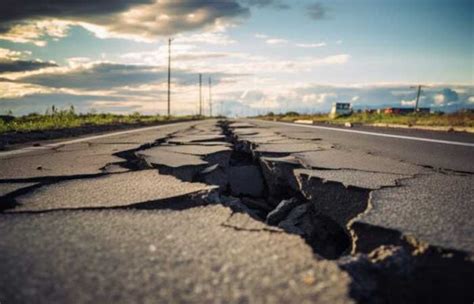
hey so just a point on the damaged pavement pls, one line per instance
(232, 211)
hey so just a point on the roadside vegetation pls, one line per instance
(63, 119)
(458, 119)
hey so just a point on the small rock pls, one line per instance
(281, 211)
(348, 125)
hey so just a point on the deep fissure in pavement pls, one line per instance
(281, 204)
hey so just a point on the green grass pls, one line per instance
(420, 119)
(60, 119)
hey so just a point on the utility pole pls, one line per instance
(210, 98)
(417, 96)
(200, 94)
(169, 77)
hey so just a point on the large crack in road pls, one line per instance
(273, 179)
(271, 186)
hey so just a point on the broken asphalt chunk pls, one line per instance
(115, 190)
(407, 210)
(353, 178)
(339, 159)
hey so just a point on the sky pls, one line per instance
(261, 55)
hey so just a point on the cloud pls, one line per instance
(258, 65)
(183, 57)
(266, 3)
(439, 99)
(276, 41)
(12, 90)
(261, 36)
(33, 21)
(218, 37)
(271, 40)
(319, 98)
(103, 75)
(12, 55)
(12, 61)
(446, 96)
(311, 45)
(450, 95)
(175, 17)
(34, 31)
(316, 11)
(7, 65)
(410, 103)
(13, 10)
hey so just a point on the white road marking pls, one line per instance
(75, 141)
(438, 141)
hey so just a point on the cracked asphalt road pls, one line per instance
(161, 216)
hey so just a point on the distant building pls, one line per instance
(340, 109)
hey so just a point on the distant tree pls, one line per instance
(271, 114)
(292, 113)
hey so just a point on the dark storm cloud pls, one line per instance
(149, 22)
(149, 19)
(7, 65)
(316, 11)
(15, 10)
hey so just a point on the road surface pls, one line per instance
(239, 211)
